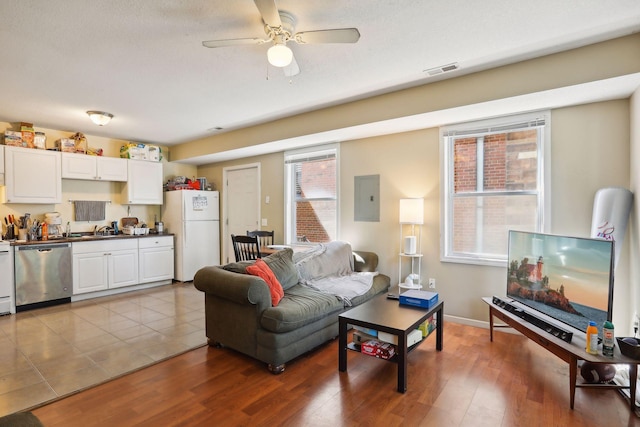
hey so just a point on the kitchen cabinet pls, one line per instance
(32, 176)
(144, 184)
(95, 168)
(102, 265)
(156, 259)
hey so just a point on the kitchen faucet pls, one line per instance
(103, 231)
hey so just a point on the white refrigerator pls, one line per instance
(194, 218)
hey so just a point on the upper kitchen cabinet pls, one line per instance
(32, 176)
(144, 186)
(96, 168)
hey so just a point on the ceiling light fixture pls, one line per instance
(100, 117)
(279, 55)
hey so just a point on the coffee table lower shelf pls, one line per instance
(394, 359)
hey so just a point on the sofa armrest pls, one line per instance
(235, 287)
(364, 261)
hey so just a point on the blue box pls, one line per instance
(417, 298)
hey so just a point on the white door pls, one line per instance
(242, 204)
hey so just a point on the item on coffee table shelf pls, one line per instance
(383, 350)
(360, 337)
(413, 337)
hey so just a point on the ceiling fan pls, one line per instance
(279, 27)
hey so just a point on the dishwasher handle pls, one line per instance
(43, 248)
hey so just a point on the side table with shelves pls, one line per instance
(413, 259)
(389, 316)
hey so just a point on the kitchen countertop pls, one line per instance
(90, 237)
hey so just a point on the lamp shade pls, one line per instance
(100, 117)
(279, 55)
(411, 211)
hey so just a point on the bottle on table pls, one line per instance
(608, 342)
(592, 338)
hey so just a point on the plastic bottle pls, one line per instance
(608, 342)
(592, 338)
(45, 231)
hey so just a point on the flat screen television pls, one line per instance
(567, 278)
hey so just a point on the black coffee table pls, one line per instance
(389, 316)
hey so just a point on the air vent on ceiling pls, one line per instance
(442, 69)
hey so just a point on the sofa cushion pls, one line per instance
(262, 270)
(281, 263)
(300, 306)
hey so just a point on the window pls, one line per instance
(494, 181)
(311, 192)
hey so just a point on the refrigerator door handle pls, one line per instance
(184, 234)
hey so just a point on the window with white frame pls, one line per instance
(494, 178)
(311, 194)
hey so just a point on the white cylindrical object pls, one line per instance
(410, 245)
(611, 207)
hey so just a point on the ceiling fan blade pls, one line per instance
(291, 69)
(339, 35)
(231, 42)
(269, 12)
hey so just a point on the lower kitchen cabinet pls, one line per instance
(156, 259)
(102, 265)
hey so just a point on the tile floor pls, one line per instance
(51, 352)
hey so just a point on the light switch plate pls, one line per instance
(264, 222)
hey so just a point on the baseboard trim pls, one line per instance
(498, 326)
(114, 291)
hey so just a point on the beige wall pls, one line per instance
(73, 189)
(409, 166)
(559, 70)
(590, 149)
(634, 221)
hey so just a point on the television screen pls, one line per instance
(567, 278)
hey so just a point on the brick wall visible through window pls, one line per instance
(504, 194)
(314, 202)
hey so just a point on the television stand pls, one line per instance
(571, 353)
(548, 327)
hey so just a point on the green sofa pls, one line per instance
(240, 315)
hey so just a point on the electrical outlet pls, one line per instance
(432, 283)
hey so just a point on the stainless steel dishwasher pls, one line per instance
(43, 275)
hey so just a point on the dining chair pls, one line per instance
(245, 247)
(265, 238)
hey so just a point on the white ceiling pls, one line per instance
(144, 62)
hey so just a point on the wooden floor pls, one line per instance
(472, 382)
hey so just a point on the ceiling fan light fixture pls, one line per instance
(100, 117)
(279, 55)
